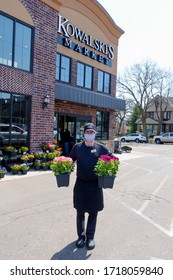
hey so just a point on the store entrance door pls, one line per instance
(74, 124)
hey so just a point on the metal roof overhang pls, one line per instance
(86, 97)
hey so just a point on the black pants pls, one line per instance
(91, 224)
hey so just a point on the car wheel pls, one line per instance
(123, 140)
(157, 141)
(137, 140)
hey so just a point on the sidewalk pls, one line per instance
(31, 173)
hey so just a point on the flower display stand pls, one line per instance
(63, 180)
(106, 182)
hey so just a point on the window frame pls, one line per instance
(20, 119)
(84, 77)
(16, 21)
(103, 82)
(60, 68)
(100, 125)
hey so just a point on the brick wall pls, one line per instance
(42, 80)
(43, 71)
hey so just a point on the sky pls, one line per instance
(148, 27)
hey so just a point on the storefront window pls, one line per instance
(102, 125)
(62, 68)
(15, 43)
(22, 55)
(14, 120)
(84, 76)
(103, 82)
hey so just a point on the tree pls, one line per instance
(141, 83)
(135, 115)
(122, 116)
(162, 99)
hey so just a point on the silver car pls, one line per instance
(135, 137)
(164, 138)
(18, 135)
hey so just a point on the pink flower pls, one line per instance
(62, 159)
(108, 158)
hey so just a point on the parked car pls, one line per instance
(164, 138)
(18, 135)
(135, 137)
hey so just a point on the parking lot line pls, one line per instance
(145, 204)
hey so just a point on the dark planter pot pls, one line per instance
(2, 175)
(24, 172)
(24, 161)
(45, 167)
(14, 172)
(106, 182)
(11, 154)
(63, 180)
(37, 167)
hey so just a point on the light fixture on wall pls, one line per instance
(46, 101)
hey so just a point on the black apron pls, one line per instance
(87, 196)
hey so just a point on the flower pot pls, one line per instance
(24, 161)
(106, 182)
(63, 180)
(37, 167)
(45, 167)
(24, 172)
(2, 175)
(11, 154)
(14, 172)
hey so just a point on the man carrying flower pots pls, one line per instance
(87, 196)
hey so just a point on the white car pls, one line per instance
(135, 137)
(165, 138)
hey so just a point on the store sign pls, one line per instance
(68, 31)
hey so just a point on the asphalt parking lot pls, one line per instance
(37, 220)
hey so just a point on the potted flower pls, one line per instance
(3, 171)
(45, 165)
(106, 170)
(38, 155)
(24, 168)
(5, 158)
(51, 156)
(44, 156)
(37, 164)
(24, 149)
(48, 147)
(24, 158)
(10, 150)
(62, 167)
(31, 157)
(51, 147)
(15, 168)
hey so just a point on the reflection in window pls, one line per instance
(15, 43)
(62, 68)
(22, 55)
(84, 76)
(102, 125)
(103, 84)
(6, 39)
(14, 119)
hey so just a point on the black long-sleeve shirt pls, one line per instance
(86, 158)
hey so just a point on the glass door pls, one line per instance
(80, 122)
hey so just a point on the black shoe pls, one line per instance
(90, 244)
(80, 243)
